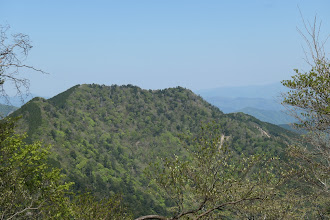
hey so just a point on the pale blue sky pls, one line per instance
(155, 44)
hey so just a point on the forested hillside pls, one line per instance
(103, 137)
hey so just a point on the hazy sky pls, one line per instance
(154, 44)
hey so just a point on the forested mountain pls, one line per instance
(105, 136)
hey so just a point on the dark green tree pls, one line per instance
(85, 206)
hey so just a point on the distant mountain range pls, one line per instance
(6, 109)
(18, 101)
(229, 105)
(269, 91)
(261, 101)
(275, 117)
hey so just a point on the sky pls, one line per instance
(155, 44)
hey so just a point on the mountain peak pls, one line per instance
(104, 136)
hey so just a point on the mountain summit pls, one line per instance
(103, 137)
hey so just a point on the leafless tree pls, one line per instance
(14, 49)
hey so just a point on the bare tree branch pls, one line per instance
(14, 50)
(225, 204)
(201, 206)
(26, 209)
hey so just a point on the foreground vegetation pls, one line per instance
(209, 181)
(104, 137)
(120, 152)
(31, 189)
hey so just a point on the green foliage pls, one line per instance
(34, 120)
(104, 136)
(310, 93)
(60, 99)
(86, 207)
(310, 98)
(29, 188)
(214, 182)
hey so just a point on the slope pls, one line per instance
(104, 136)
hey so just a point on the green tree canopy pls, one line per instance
(29, 188)
(309, 99)
(213, 182)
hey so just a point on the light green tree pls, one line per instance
(213, 182)
(29, 188)
(309, 99)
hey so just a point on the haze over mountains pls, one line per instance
(6, 109)
(18, 101)
(12, 103)
(260, 101)
(267, 91)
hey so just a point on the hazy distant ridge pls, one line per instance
(274, 117)
(269, 91)
(260, 101)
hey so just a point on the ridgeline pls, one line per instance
(103, 137)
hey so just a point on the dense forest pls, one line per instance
(103, 137)
(122, 152)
